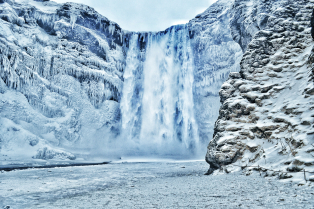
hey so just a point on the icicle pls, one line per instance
(46, 19)
(73, 18)
(121, 36)
(111, 28)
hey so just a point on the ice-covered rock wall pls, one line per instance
(266, 118)
(215, 56)
(61, 77)
(73, 81)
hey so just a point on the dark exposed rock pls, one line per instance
(312, 24)
(6, 1)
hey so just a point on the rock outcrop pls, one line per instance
(266, 118)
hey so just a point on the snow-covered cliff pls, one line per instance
(60, 81)
(74, 83)
(215, 56)
(266, 118)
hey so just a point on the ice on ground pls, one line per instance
(166, 184)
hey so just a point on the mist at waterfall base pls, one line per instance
(157, 108)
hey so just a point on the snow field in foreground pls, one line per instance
(147, 185)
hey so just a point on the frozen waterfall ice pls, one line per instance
(131, 96)
(157, 102)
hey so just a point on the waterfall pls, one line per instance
(132, 90)
(157, 102)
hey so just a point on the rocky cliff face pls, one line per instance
(72, 81)
(215, 56)
(266, 118)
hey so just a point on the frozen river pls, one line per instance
(147, 185)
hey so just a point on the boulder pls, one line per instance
(47, 153)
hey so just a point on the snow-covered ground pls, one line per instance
(165, 184)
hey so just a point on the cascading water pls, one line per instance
(157, 102)
(132, 91)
